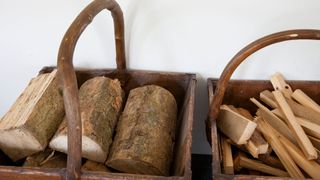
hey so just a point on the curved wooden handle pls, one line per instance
(246, 52)
(68, 76)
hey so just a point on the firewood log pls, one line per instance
(100, 105)
(145, 133)
(33, 119)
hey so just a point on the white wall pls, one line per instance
(197, 36)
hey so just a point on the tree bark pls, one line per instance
(144, 139)
(100, 105)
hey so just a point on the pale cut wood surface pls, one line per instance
(266, 96)
(229, 119)
(309, 127)
(34, 117)
(256, 144)
(315, 142)
(295, 127)
(278, 148)
(305, 100)
(278, 83)
(298, 109)
(227, 157)
(272, 119)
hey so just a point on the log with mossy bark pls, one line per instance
(33, 119)
(100, 105)
(145, 133)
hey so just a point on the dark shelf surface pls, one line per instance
(201, 167)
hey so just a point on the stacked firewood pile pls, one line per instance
(282, 139)
(132, 136)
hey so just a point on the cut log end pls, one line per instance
(19, 143)
(90, 149)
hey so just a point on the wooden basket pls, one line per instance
(181, 85)
(238, 92)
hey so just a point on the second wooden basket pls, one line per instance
(238, 92)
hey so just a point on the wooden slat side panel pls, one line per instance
(182, 161)
(122, 176)
(239, 91)
(246, 177)
(17, 173)
(9, 172)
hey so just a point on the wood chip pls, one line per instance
(295, 127)
(226, 157)
(266, 96)
(310, 167)
(228, 119)
(298, 109)
(272, 119)
(245, 162)
(256, 144)
(305, 100)
(278, 83)
(271, 161)
(279, 149)
(309, 127)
